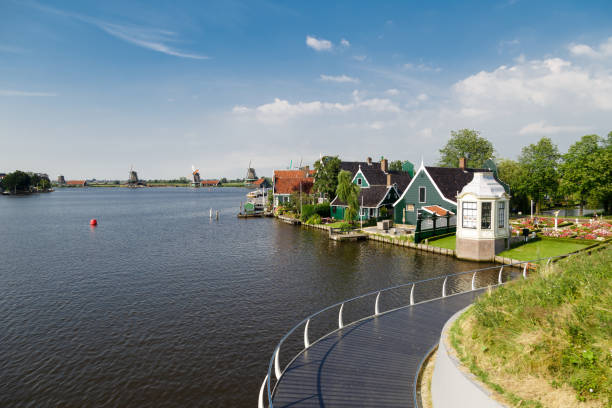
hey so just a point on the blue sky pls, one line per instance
(88, 89)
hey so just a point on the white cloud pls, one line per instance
(542, 128)
(540, 83)
(318, 44)
(422, 67)
(422, 97)
(12, 92)
(507, 44)
(282, 110)
(339, 78)
(377, 125)
(145, 37)
(345, 43)
(153, 39)
(392, 92)
(240, 109)
(360, 58)
(604, 50)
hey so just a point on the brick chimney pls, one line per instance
(462, 163)
(384, 165)
(369, 160)
(388, 180)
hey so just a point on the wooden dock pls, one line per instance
(372, 363)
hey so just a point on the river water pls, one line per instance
(159, 305)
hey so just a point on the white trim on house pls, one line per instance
(386, 194)
(422, 167)
(364, 177)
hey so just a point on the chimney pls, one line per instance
(388, 180)
(369, 161)
(384, 165)
(462, 163)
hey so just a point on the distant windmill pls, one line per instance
(251, 176)
(197, 181)
(133, 178)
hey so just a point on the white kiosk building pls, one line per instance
(483, 229)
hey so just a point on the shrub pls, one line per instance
(314, 219)
(308, 210)
(323, 209)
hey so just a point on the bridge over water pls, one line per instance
(375, 360)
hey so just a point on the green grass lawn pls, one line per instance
(337, 224)
(544, 248)
(544, 341)
(446, 242)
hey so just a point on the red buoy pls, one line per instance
(93, 221)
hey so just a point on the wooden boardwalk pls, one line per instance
(372, 363)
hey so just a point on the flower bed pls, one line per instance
(538, 223)
(596, 230)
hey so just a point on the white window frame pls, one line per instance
(482, 213)
(472, 208)
(359, 181)
(501, 214)
(424, 194)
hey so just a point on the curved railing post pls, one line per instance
(525, 270)
(444, 287)
(376, 310)
(306, 342)
(340, 323)
(277, 370)
(261, 393)
(499, 278)
(474, 281)
(412, 295)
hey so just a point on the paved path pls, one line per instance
(370, 364)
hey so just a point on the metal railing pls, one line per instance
(274, 367)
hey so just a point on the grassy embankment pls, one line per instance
(545, 341)
(446, 242)
(540, 248)
(544, 248)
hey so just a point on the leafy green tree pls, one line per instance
(512, 173)
(601, 165)
(540, 162)
(348, 193)
(395, 165)
(326, 175)
(466, 143)
(578, 175)
(17, 181)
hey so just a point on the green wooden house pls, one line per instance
(379, 187)
(433, 190)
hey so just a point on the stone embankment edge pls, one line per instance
(452, 386)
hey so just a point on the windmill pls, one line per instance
(133, 178)
(251, 176)
(195, 173)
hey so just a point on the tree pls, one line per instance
(601, 165)
(466, 143)
(540, 162)
(395, 165)
(17, 181)
(326, 175)
(513, 174)
(348, 193)
(577, 169)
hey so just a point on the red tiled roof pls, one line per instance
(212, 182)
(258, 182)
(75, 182)
(436, 209)
(291, 181)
